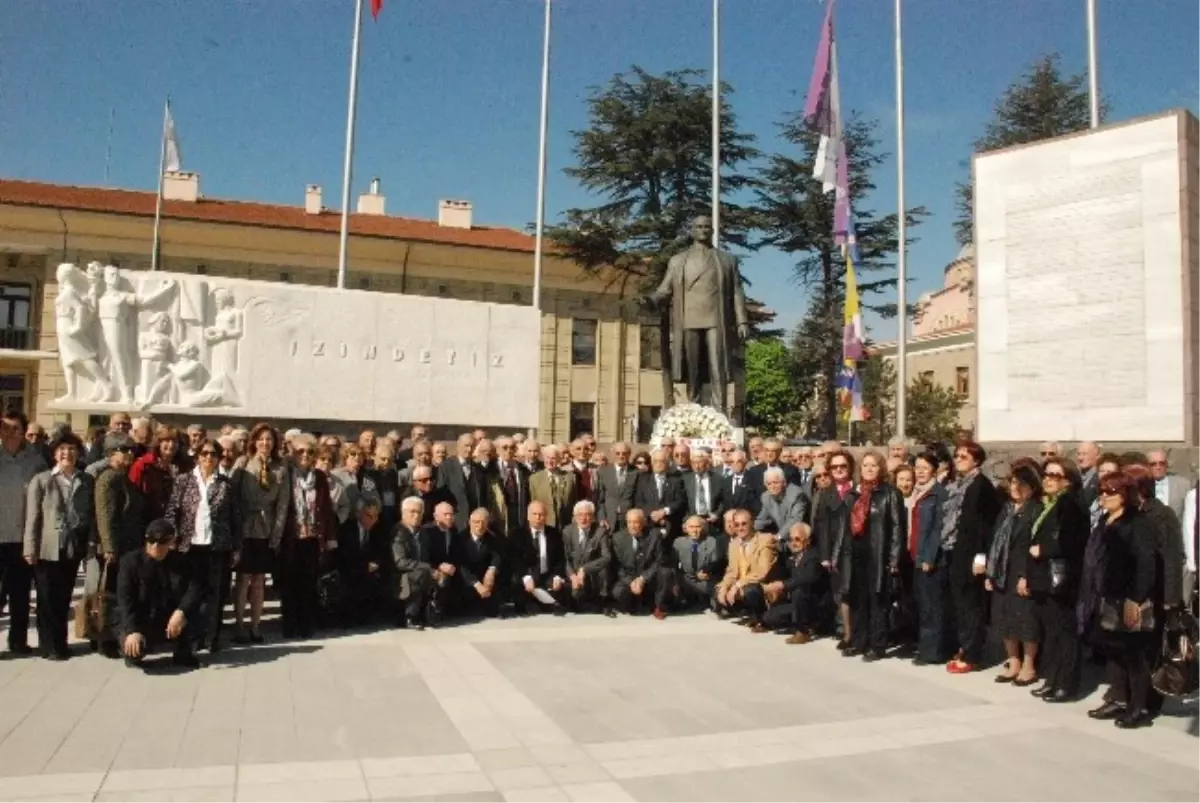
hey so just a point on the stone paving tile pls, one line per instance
(27, 786)
(298, 771)
(520, 778)
(424, 786)
(510, 758)
(332, 789)
(419, 765)
(599, 792)
(542, 794)
(166, 779)
(183, 794)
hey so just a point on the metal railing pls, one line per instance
(20, 339)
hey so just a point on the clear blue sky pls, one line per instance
(449, 91)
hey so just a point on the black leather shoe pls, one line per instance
(1058, 696)
(919, 661)
(843, 645)
(1107, 711)
(1043, 691)
(610, 613)
(1134, 719)
(15, 650)
(871, 656)
(1023, 683)
(188, 660)
(852, 652)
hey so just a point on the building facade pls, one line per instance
(941, 344)
(600, 357)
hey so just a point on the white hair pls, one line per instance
(773, 474)
(413, 502)
(582, 506)
(139, 423)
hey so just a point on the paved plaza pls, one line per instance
(573, 708)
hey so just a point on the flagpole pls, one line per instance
(902, 237)
(348, 165)
(1093, 76)
(158, 203)
(716, 125)
(544, 127)
(112, 112)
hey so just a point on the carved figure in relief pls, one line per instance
(223, 336)
(117, 310)
(187, 383)
(75, 315)
(155, 350)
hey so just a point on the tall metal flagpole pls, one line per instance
(348, 166)
(716, 125)
(158, 203)
(541, 185)
(902, 237)
(1093, 76)
(112, 113)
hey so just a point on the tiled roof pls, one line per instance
(132, 202)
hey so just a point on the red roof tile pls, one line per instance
(131, 202)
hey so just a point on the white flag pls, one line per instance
(172, 159)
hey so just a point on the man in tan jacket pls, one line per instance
(752, 559)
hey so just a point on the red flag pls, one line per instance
(376, 7)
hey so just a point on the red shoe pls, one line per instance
(660, 614)
(957, 667)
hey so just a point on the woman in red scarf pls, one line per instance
(870, 557)
(154, 472)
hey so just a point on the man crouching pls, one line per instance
(157, 597)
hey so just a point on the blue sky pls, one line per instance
(449, 91)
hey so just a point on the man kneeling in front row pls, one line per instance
(751, 564)
(157, 597)
(637, 551)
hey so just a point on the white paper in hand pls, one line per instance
(543, 596)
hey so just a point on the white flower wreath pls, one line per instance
(691, 421)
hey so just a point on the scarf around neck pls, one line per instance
(862, 509)
(305, 498)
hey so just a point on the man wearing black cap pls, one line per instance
(118, 511)
(157, 598)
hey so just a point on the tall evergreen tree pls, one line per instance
(1041, 104)
(795, 215)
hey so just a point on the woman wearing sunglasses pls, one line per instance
(641, 461)
(202, 510)
(311, 530)
(924, 507)
(1007, 576)
(1055, 568)
(830, 525)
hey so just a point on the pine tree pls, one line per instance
(795, 215)
(1041, 104)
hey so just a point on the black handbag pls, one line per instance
(1112, 620)
(329, 590)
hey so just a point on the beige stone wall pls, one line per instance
(615, 385)
(1190, 200)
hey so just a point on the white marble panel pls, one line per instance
(1086, 266)
(181, 343)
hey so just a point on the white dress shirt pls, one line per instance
(203, 535)
(543, 557)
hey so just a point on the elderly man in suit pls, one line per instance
(437, 546)
(588, 554)
(359, 556)
(1171, 489)
(585, 474)
(616, 483)
(752, 560)
(795, 598)
(464, 479)
(1087, 458)
(482, 587)
(704, 490)
(413, 566)
(554, 488)
(736, 488)
(781, 505)
(508, 489)
(772, 448)
(661, 496)
(699, 559)
(538, 563)
(641, 576)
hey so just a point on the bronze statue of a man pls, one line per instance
(708, 313)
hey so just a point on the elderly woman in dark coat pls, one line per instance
(866, 554)
(1007, 577)
(310, 531)
(968, 516)
(830, 523)
(203, 510)
(925, 535)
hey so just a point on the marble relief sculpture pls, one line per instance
(145, 347)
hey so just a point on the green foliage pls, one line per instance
(770, 393)
(1041, 104)
(932, 409)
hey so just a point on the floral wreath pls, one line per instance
(691, 421)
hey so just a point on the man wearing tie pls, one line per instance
(358, 556)
(554, 488)
(705, 495)
(464, 480)
(538, 563)
(771, 451)
(641, 576)
(804, 467)
(588, 552)
(508, 487)
(616, 483)
(738, 492)
(411, 561)
(661, 496)
(585, 475)
(699, 558)
(436, 541)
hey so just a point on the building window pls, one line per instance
(284, 276)
(583, 418)
(15, 329)
(12, 392)
(647, 415)
(583, 341)
(201, 270)
(962, 380)
(651, 348)
(364, 282)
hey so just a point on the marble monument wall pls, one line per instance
(1084, 292)
(176, 343)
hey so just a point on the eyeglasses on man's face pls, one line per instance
(1054, 475)
(208, 453)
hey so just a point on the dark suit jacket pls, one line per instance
(477, 557)
(803, 571)
(707, 558)
(673, 498)
(513, 513)
(525, 560)
(149, 591)
(637, 557)
(593, 555)
(353, 556)
(468, 494)
(756, 473)
(431, 500)
(432, 546)
(614, 499)
(745, 498)
(716, 493)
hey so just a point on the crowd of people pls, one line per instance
(909, 553)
